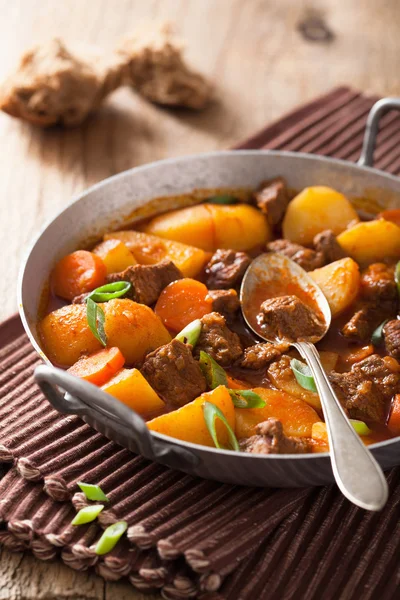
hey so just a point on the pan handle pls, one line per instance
(82, 398)
(371, 130)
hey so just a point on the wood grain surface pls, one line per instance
(262, 65)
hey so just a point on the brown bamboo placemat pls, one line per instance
(189, 537)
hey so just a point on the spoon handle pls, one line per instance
(357, 474)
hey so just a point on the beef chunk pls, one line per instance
(288, 318)
(306, 258)
(391, 333)
(325, 243)
(174, 374)
(147, 281)
(218, 341)
(378, 284)
(225, 302)
(226, 269)
(272, 199)
(81, 299)
(260, 356)
(361, 325)
(270, 439)
(378, 301)
(327, 250)
(367, 389)
(281, 374)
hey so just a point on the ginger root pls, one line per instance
(158, 71)
(54, 84)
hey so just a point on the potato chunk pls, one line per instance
(282, 377)
(130, 387)
(340, 283)
(296, 416)
(150, 249)
(134, 328)
(319, 436)
(66, 335)
(192, 225)
(328, 360)
(320, 442)
(314, 210)
(239, 227)
(188, 424)
(212, 226)
(372, 241)
(115, 254)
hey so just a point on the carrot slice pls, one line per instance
(181, 302)
(78, 273)
(391, 215)
(98, 368)
(355, 356)
(394, 418)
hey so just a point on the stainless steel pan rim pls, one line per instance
(247, 455)
(170, 451)
(190, 445)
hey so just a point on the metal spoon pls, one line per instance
(357, 474)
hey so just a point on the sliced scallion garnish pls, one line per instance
(92, 492)
(191, 333)
(211, 414)
(223, 199)
(95, 317)
(214, 374)
(360, 427)
(303, 375)
(246, 399)
(111, 537)
(397, 276)
(377, 336)
(87, 514)
(110, 291)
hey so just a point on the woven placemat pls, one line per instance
(190, 537)
(187, 520)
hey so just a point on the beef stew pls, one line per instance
(172, 310)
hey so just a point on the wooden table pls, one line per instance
(263, 66)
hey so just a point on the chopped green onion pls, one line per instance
(214, 374)
(397, 276)
(95, 317)
(303, 375)
(211, 413)
(110, 291)
(360, 427)
(92, 492)
(377, 336)
(87, 514)
(223, 199)
(111, 537)
(191, 333)
(246, 399)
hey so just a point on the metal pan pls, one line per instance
(106, 206)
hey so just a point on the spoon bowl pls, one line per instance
(277, 272)
(356, 472)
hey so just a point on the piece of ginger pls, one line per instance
(158, 71)
(54, 84)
